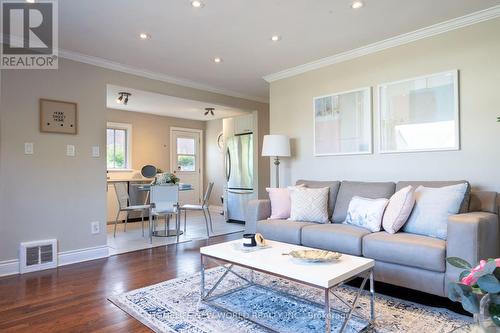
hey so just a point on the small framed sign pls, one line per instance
(58, 116)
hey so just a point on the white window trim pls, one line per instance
(128, 128)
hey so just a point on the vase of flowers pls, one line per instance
(165, 178)
(478, 289)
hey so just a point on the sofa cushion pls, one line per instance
(483, 201)
(282, 230)
(464, 207)
(332, 185)
(350, 189)
(406, 249)
(342, 238)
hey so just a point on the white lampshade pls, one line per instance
(276, 145)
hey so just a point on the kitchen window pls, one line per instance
(118, 146)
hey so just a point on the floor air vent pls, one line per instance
(38, 255)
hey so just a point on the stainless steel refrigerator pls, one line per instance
(239, 175)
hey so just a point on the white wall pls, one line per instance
(214, 160)
(50, 195)
(474, 51)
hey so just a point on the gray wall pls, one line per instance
(49, 195)
(474, 51)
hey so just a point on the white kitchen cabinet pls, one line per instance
(244, 124)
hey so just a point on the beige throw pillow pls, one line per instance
(309, 204)
(399, 209)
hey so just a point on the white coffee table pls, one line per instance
(325, 276)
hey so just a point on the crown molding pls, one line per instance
(433, 30)
(112, 65)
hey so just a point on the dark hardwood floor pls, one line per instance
(74, 298)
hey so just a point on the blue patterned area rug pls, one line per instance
(174, 306)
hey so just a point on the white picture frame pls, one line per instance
(433, 109)
(353, 136)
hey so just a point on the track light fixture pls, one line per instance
(123, 98)
(209, 111)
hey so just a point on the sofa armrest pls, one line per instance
(471, 236)
(256, 210)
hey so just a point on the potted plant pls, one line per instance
(478, 289)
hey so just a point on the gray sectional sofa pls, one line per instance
(402, 259)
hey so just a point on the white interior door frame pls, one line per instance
(173, 149)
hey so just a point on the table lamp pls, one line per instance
(277, 146)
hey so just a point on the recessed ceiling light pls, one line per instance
(196, 3)
(357, 4)
(144, 35)
(30, 1)
(275, 38)
(217, 60)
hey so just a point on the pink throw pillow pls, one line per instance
(280, 202)
(399, 209)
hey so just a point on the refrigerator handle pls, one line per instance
(228, 164)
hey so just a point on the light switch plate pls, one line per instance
(95, 228)
(96, 151)
(28, 148)
(70, 150)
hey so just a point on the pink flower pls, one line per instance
(470, 280)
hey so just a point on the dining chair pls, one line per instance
(164, 201)
(203, 207)
(123, 206)
(147, 171)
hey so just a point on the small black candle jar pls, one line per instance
(249, 240)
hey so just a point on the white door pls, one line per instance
(186, 162)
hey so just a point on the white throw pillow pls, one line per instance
(366, 213)
(399, 209)
(309, 204)
(432, 208)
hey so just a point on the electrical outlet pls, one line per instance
(95, 151)
(28, 148)
(95, 227)
(70, 150)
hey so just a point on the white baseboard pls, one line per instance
(81, 255)
(11, 267)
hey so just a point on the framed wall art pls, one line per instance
(419, 114)
(58, 116)
(343, 123)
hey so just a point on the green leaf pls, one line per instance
(463, 275)
(455, 292)
(494, 310)
(458, 262)
(470, 303)
(489, 283)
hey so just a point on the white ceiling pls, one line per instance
(164, 105)
(184, 40)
